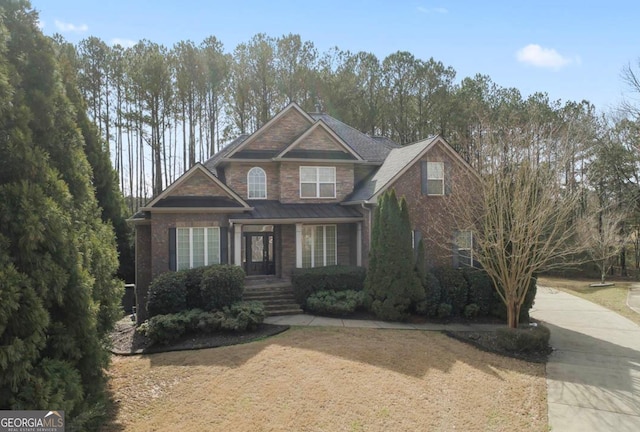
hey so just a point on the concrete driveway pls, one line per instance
(593, 375)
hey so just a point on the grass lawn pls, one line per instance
(612, 297)
(330, 379)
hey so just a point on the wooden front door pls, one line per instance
(259, 258)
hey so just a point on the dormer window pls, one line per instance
(256, 183)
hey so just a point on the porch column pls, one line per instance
(359, 244)
(237, 244)
(298, 245)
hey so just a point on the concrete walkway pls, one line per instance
(593, 376)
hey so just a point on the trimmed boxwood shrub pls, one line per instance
(444, 310)
(241, 316)
(192, 282)
(454, 287)
(221, 285)
(471, 310)
(432, 290)
(335, 303)
(167, 294)
(524, 339)
(481, 290)
(307, 281)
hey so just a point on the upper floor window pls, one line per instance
(435, 178)
(256, 183)
(317, 182)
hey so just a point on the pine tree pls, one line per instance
(57, 258)
(392, 285)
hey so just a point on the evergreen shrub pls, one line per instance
(167, 294)
(306, 281)
(455, 290)
(524, 339)
(335, 302)
(221, 285)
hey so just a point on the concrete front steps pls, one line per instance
(276, 294)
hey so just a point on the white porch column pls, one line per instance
(298, 245)
(359, 245)
(237, 244)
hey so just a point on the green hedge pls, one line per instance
(192, 282)
(455, 289)
(524, 339)
(221, 285)
(241, 316)
(335, 302)
(433, 294)
(167, 294)
(481, 290)
(331, 278)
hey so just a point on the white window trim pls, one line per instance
(249, 183)
(324, 244)
(470, 249)
(317, 182)
(206, 244)
(429, 177)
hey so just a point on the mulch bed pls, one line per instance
(488, 341)
(126, 341)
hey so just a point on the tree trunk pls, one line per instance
(513, 314)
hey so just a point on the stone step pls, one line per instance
(276, 295)
(285, 311)
(267, 295)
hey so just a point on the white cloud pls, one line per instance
(125, 43)
(538, 56)
(70, 28)
(439, 10)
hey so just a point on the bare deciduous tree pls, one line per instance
(524, 212)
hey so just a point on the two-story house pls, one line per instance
(298, 192)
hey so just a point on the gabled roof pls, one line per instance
(166, 200)
(267, 125)
(372, 149)
(320, 124)
(397, 163)
(211, 163)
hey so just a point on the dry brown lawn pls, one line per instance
(330, 379)
(612, 297)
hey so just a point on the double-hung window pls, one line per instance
(435, 178)
(464, 244)
(317, 182)
(196, 247)
(319, 245)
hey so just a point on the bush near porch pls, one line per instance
(207, 288)
(307, 281)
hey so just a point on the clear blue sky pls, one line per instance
(572, 50)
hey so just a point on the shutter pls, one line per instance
(224, 245)
(423, 172)
(447, 178)
(417, 236)
(455, 262)
(172, 249)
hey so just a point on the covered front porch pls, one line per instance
(275, 238)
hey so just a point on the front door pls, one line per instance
(259, 256)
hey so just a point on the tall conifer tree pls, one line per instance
(57, 258)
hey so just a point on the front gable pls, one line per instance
(198, 188)
(275, 135)
(319, 142)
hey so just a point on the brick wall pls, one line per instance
(236, 178)
(281, 133)
(160, 224)
(143, 269)
(430, 214)
(290, 182)
(287, 249)
(198, 184)
(320, 139)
